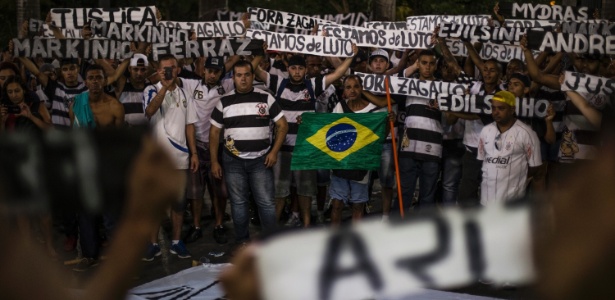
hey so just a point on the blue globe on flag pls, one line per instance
(341, 137)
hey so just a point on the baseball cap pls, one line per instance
(506, 97)
(214, 62)
(139, 60)
(523, 78)
(296, 60)
(379, 52)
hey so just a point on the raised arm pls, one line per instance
(534, 71)
(473, 54)
(341, 70)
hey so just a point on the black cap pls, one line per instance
(296, 60)
(214, 62)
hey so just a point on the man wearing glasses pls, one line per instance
(506, 147)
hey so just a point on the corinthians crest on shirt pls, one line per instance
(261, 109)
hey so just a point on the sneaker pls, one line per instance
(293, 221)
(152, 252)
(220, 234)
(70, 243)
(85, 264)
(180, 250)
(193, 235)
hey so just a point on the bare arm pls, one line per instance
(593, 115)
(550, 134)
(42, 78)
(473, 54)
(534, 71)
(214, 140)
(119, 72)
(376, 100)
(401, 65)
(118, 111)
(450, 60)
(341, 70)
(191, 138)
(281, 129)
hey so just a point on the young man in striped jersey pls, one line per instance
(506, 147)
(248, 154)
(295, 96)
(130, 90)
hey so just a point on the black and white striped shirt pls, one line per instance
(62, 98)
(132, 100)
(246, 119)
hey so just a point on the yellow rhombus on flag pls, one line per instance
(339, 141)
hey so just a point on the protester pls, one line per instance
(172, 113)
(249, 153)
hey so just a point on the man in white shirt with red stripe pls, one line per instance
(507, 147)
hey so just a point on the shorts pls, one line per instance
(386, 173)
(305, 180)
(348, 191)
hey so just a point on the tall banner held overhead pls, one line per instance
(307, 44)
(71, 18)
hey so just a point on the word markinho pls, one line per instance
(72, 48)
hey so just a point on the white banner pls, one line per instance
(41, 29)
(375, 260)
(544, 11)
(386, 25)
(500, 52)
(588, 84)
(71, 18)
(381, 38)
(308, 44)
(286, 19)
(200, 282)
(429, 23)
(138, 33)
(71, 48)
(589, 28)
(482, 33)
(210, 29)
(411, 87)
(571, 42)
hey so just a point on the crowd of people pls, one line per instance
(230, 125)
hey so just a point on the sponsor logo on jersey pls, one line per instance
(498, 160)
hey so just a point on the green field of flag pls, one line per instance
(339, 141)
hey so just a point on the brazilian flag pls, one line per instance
(339, 141)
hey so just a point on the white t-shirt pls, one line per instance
(205, 100)
(506, 157)
(169, 122)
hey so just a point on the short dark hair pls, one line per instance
(352, 76)
(243, 63)
(7, 65)
(427, 52)
(497, 64)
(95, 67)
(164, 57)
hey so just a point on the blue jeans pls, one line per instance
(245, 176)
(452, 152)
(427, 173)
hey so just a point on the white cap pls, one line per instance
(379, 52)
(139, 59)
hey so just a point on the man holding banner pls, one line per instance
(297, 95)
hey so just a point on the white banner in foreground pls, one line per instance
(379, 260)
(299, 43)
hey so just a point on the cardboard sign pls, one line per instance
(308, 44)
(72, 48)
(206, 47)
(75, 18)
